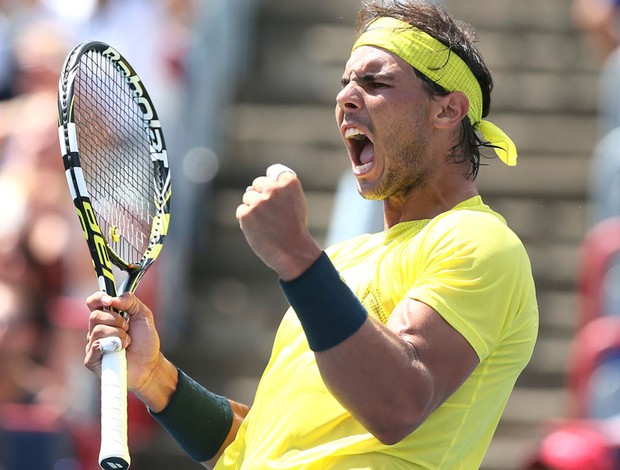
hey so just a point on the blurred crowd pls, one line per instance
(588, 437)
(45, 269)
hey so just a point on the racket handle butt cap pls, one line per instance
(114, 463)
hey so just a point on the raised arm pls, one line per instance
(390, 377)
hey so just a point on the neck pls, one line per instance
(426, 203)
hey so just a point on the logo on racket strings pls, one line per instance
(151, 125)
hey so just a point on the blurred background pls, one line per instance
(242, 84)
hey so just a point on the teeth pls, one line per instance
(353, 133)
(362, 168)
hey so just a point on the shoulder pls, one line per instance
(472, 238)
(473, 226)
(467, 219)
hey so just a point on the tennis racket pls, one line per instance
(116, 166)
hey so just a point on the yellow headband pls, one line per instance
(440, 64)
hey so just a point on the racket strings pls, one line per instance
(115, 155)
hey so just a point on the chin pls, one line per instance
(370, 193)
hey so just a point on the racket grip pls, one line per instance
(114, 451)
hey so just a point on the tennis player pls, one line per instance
(400, 348)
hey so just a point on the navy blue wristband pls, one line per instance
(328, 310)
(196, 418)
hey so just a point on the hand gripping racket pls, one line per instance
(116, 166)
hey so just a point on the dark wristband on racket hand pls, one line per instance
(328, 310)
(199, 420)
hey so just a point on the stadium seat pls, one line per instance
(599, 270)
(594, 370)
(604, 394)
(573, 445)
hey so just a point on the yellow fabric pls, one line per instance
(504, 146)
(469, 266)
(440, 64)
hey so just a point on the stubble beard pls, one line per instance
(405, 173)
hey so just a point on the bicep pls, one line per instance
(439, 349)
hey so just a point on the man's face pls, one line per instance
(383, 112)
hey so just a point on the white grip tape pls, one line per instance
(275, 170)
(110, 344)
(114, 452)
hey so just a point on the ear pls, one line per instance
(451, 109)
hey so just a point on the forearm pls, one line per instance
(367, 367)
(157, 390)
(379, 373)
(202, 423)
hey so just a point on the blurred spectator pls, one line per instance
(598, 19)
(23, 377)
(41, 222)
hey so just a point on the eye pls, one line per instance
(377, 85)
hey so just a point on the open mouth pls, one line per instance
(361, 148)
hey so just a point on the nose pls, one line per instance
(349, 97)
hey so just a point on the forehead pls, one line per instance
(371, 59)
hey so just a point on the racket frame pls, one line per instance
(114, 454)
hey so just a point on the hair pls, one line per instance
(457, 36)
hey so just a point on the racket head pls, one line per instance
(115, 161)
